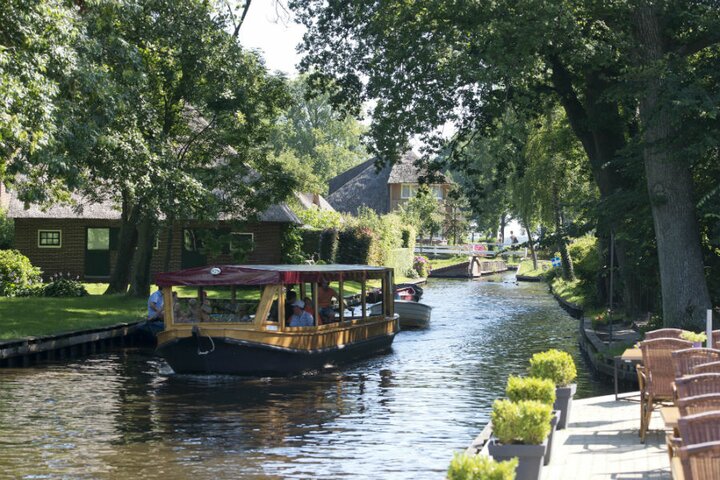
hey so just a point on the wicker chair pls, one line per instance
(656, 376)
(698, 404)
(712, 367)
(699, 384)
(663, 333)
(698, 462)
(684, 360)
(715, 337)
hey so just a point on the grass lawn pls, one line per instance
(35, 316)
(526, 268)
(569, 291)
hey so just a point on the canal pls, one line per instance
(400, 415)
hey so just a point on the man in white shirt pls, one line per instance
(300, 318)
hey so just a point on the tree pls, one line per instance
(423, 211)
(427, 63)
(313, 141)
(36, 50)
(167, 116)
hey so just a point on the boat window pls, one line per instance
(218, 304)
(328, 297)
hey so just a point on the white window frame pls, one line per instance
(412, 190)
(438, 192)
(58, 231)
(252, 238)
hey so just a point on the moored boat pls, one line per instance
(239, 322)
(412, 314)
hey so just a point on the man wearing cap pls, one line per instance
(300, 318)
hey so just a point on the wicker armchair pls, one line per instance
(698, 384)
(656, 376)
(712, 367)
(698, 404)
(684, 360)
(698, 462)
(663, 333)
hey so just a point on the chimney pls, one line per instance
(316, 199)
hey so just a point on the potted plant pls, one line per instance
(541, 390)
(480, 467)
(560, 368)
(520, 429)
(697, 339)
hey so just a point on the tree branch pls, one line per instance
(698, 44)
(242, 19)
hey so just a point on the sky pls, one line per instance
(273, 34)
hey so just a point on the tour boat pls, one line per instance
(237, 322)
(412, 314)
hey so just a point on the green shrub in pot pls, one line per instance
(560, 368)
(480, 467)
(555, 365)
(530, 388)
(526, 422)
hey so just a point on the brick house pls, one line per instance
(383, 190)
(83, 241)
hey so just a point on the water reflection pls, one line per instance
(399, 415)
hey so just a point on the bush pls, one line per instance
(7, 230)
(292, 246)
(422, 266)
(526, 422)
(555, 365)
(355, 246)
(530, 388)
(408, 234)
(17, 274)
(480, 467)
(329, 240)
(311, 243)
(64, 287)
(401, 260)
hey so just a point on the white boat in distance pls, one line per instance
(412, 314)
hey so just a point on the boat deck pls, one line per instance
(601, 442)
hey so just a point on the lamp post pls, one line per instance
(612, 268)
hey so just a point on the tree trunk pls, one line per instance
(168, 244)
(568, 272)
(503, 223)
(601, 130)
(684, 288)
(127, 240)
(531, 244)
(140, 286)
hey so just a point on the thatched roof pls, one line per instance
(84, 209)
(313, 200)
(363, 186)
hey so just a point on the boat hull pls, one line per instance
(222, 355)
(412, 314)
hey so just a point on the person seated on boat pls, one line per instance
(299, 317)
(155, 305)
(290, 298)
(325, 298)
(309, 307)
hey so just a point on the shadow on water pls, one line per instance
(399, 415)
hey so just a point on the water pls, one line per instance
(400, 415)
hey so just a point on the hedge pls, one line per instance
(355, 246)
(401, 260)
(329, 245)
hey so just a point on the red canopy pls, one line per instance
(216, 275)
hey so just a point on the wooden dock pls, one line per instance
(602, 443)
(33, 350)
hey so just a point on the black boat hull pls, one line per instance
(220, 355)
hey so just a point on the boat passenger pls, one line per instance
(299, 317)
(309, 307)
(325, 297)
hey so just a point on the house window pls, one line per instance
(49, 238)
(408, 190)
(437, 191)
(240, 241)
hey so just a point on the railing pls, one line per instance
(472, 249)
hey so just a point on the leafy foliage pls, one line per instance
(329, 242)
(355, 245)
(480, 467)
(526, 421)
(60, 286)
(7, 230)
(17, 273)
(554, 365)
(292, 246)
(530, 388)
